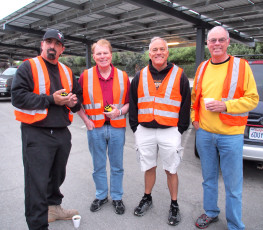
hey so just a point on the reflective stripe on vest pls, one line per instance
(68, 75)
(157, 104)
(41, 86)
(65, 69)
(97, 116)
(41, 77)
(233, 86)
(166, 100)
(236, 64)
(92, 105)
(200, 73)
(32, 112)
(120, 105)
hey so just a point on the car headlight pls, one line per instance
(3, 81)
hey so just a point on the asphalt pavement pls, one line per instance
(79, 189)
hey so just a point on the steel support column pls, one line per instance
(200, 46)
(88, 56)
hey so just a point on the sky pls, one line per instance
(9, 6)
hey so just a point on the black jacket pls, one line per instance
(24, 98)
(184, 114)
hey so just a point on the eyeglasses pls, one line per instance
(220, 40)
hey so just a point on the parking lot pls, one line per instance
(79, 190)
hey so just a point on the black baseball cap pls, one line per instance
(52, 33)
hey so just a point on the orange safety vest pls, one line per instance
(233, 88)
(162, 105)
(93, 98)
(42, 86)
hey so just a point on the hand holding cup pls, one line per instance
(206, 100)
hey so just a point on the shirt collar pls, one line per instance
(166, 69)
(102, 78)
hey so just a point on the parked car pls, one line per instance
(6, 79)
(253, 136)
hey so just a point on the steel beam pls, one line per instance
(200, 46)
(167, 10)
(88, 56)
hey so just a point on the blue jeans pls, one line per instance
(230, 147)
(99, 140)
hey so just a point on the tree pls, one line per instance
(182, 56)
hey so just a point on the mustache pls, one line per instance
(51, 49)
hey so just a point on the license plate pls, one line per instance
(2, 90)
(256, 133)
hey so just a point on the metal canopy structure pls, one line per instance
(127, 24)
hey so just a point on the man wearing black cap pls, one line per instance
(45, 93)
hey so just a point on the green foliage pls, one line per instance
(242, 51)
(129, 61)
(133, 62)
(239, 49)
(80, 61)
(68, 60)
(116, 58)
(19, 63)
(182, 56)
(189, 69)
(77, 64)
(259, 48)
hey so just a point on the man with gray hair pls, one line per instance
(229, 84)
(159, 114)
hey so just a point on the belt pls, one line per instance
(107, 123)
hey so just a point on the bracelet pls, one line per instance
(120, 112)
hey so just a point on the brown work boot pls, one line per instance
(56, 212)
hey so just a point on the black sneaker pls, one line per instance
(96, 204)
(118, 206)
(203, 221)
(174, 215)
(144, 205)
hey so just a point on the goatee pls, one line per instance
(51, 55)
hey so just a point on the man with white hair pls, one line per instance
(159, 114)
(220, 126)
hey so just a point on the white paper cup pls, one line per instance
(208, 100)
(76, 220)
